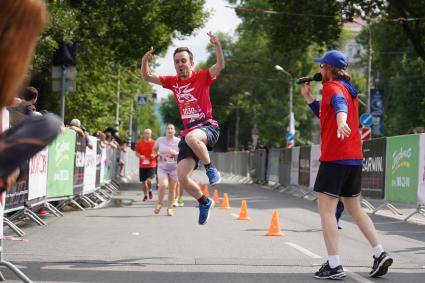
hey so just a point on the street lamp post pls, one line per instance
(291, 94)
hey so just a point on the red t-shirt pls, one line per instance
(334, 149)
(145, 148)
(192, 97)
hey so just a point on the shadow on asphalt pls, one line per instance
(96, 271)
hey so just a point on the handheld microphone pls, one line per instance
(317, 77)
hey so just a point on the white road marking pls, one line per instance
(234, 215)
(356, 277)
(303, 250)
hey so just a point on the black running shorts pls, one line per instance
(339, 180)
(212, 132)
(146, 173)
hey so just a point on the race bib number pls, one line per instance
(171, 160)
(145, 161)
(191, 110)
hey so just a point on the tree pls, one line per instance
(397, 70)
(111, 36)
(408, 14)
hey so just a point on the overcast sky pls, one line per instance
(222, 19)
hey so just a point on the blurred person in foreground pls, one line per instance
(341, 161)
(28, 99)
(21, 22)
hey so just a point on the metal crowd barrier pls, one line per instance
(393, 170)
(65, 172)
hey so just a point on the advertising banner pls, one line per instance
(373, 172)
(90, 167)
(421, 173)
(314, 163)
(38, 175)
(304, 174)
(98, 162)
(295, 165)
(4, 125)
(285, 167)
(4, 121)
(401, 181)
(377, 111)
(273, 165)
(18, 194)
(80, 162)
(60, 177)
(104, 167)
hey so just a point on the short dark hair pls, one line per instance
(183, 49)
(29, 93)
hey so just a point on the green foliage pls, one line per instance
(112, 36)
(398, 71)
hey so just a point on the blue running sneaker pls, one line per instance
(213, 176)
(205, 211)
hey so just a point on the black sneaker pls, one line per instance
(150, 195)
(145, 198)
(326, 272)
(380, 265)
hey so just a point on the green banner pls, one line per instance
(401, 178)
(60, 178)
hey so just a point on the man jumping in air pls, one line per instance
(192, 93)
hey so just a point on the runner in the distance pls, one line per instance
(147, 163)
(192, 92)
(167, 149)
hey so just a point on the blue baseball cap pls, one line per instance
(334, 58)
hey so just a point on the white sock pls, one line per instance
(333, 261)
(378, 250)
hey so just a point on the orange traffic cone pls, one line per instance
(205, 191)
(225, 202)
(215, 197)
(243, 214)
(274, 229)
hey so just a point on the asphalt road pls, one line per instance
(131, 244)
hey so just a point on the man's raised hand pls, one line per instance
(213, 38)
(148, 55)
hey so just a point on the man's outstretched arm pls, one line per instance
(145, 71)
(219, 65)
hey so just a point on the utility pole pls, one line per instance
(291, 112)
(291, 129)
(237, 124)
(369, 68)
(130, 123)
(63, 89)
(117, 109)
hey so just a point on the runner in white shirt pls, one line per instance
(167, 149)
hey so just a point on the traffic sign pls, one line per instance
(366, 133)
(366, 120)
(142, 100)
(290, 137)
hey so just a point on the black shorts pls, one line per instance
(339, 180)
(146, 173)
(212, 132)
